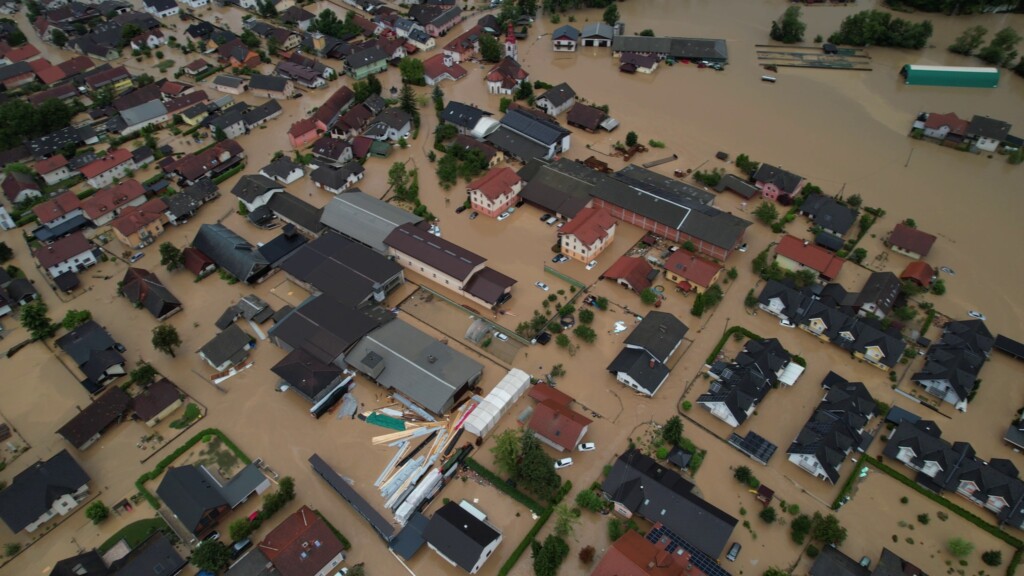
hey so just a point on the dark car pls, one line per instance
(239, 547)
(460, 209)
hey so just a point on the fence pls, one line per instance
(579, 285)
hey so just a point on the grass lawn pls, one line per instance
(135, 533)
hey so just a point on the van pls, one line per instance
(239, 547)
(734, 552)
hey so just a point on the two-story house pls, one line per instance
(43, 491)
(642, 363)
(691, 273)
(115, 165)
(255, 190)
(71, 253)
(492, 193)
(140, 226)
(776, 183)
(586, 236)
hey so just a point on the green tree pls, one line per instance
(97, 512)
(672, 431)
(166, 339)
(75, 318)
(800, 527)
(878, 28)
(585, 333)
(365, 88)
(766, 212)
(549, 556)
(448, 171)
(34, 319)
(742, 474)
(746, 165)
(804, 277)
(266, 8)
(959, 547)
(128, 32)
(648, 296)
(412, 71)
(219, 135)
(858, 255)
(1002, 50)
(631, 138)
(490, 50)
(398, 178)
(992, 557)
(775, 572)
(528, 7)
(611, 15)
(507, 450)
(536, 470)
(143, 374)
(12, 548)
(854, 201)
(969, 41)
(586, 316)
(768, 514)
(602, 303)
(646, 32)
(504, 104)
(939, 287)
(60, 39)
(827, 530)
(240, 529)
(905, 313)
(562, 340)
(407, 102)
(5, 252)
(212, 555)
(590, 500)
(171, 257)
(566, 520)
(789, 29)
(524, 92)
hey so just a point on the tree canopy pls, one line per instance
(789, 29)
(490, 49)
(21, 121)
(878, 28)
(166, 339)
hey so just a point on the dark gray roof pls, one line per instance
(365, 219)
(84, 341)
(651, 181)
(143, 288)
(459, 535)
(305, 374)
(262, 112)
(462, 115)
(281, 167)
(785, 181)
(658, 494)
(832, 562)
(336, 177)
(267, 83)
(12, 70)
(641, 367)
(253, 563)
(104, 411)
(86, 564)
(380, 524)
(834, 429)
(659, 333)
(230, 251)
(228, 81)
(881, 289)
(829, 213)
(190, 493)
(737, 185)
(365, 58)
(985, 127)
(679, 48)
(252, 186)
(325, 330)
(227, 345)
(288, 241)
(567, 31)
(541, 130)
(154, 557)
(345, 270)
(889, 564)
(516, 145)
(439, 253)
(33, 491)
(559, 94)
(296, 211)
(598, 29)
(552, 190)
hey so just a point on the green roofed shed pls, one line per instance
(957, 76)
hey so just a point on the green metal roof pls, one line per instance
(957, 76)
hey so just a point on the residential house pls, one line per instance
(556, 100)
(463, 116)
(506, 77)
(228, 348)
(365, 63)
(436, 20)
(690, 272)
(338, 179)
(331, 151)
(777, 184)
(590, 118)
(878, 295)
(255, 190)
(587, 234)
(303, 76)
(987, 134)
(460, 534)
(952, 366)
(642, 363)
(209, 163)
(832, 562)
(910, 241)
(692, 49)
(298, 17)
(149, 39)
(448, 264)
(737, 388)
(415, 364)
(231, 252)
(230, 121)
(327, 115)
(229, 84)
(302, 133)
(138, 227)
(303, 544)
(307, 375)
(156, 556)
(631, 63)
(236, 54)
(197, 263)
(86, 427)
(529, 134)
(941, 126)
(19, 187)
(365, 219)
(54, 142)
(792, 253)
(157, 402)
(919, 273)
(144, 290)
(391, 125)
(597, 34)
(345, 271)
(143, 156)
(42, 491)
(631, 272)
(95, 353)
(554, 422)
(638, 485)
(284, 170)
(71, 253)
(294, 212)
(199, 497)
(161, 8)
(102, 207)
(276, 87)
(492, 193)
(184, 204)
(119, 79)
(834, 429)
(440, 67)
(654, 555)
(132, 120)
(565, 38)
(104, 171)
(829, 214)
(58, 216)
(464, 45)
(318, 335)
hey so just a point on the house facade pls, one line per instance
(71, 253)
(114, 166)
(495, 191)
(691, 273)
(138, 227)
(564, 39)
(587, 234)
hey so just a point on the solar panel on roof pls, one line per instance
(753, 445)
(702, 561)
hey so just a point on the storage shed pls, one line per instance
(486, 415)
(957, 76)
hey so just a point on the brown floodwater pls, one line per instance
(845, 131)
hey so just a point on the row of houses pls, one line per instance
(738, 387)
(980, 133)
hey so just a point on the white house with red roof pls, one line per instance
(53, 169)
(690, 272)
(492, 193)
(69, 254)
(792, 253)
(440, 67)
(104, 171)
(587, 234)
(58, 210)
(19, 187)
(106, 204)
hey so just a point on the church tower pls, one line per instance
(511, 50)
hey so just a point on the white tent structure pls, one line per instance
(486, 415)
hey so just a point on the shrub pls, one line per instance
(959, 547)
(615, 529)
(97, 512)
(923, 519)
(812, 551)
(904, 500)
(768, 514)
(587, 554)
(992, 558)
(687, 405)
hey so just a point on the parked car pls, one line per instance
(541, 285)
(586, 447)
(435, 230)
(544, 217)
(239, 547)
(865, 562)
(119, 347)
(976, 314)
(460, 209)
(563, 463)
(592, 265)
(501, 336)
(473, 215)
(743, 247)
(503, 215)
(734, 552)
(137, 256)
(550, 220)
(787, 323)
(559, 258)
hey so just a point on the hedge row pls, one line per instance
(344, 541)
(1011, 568)
(725, 338)
(503, 485)
(965, 514)
(532, 534)
(848, 485)
(229, 173)
(140, 484)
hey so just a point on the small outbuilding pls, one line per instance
(956, 76)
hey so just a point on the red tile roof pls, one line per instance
(56, 207)
(135, 218)
(173, 88)
(194, 166)
(341, 98)
(113, 159)
(508, 71)
(633, 270)
(104, 77)
(197, 65)
(634, 555)
(688, 266)
(51, 74)
(434, 67)
(111, 198)
(50, 164)
(76, 65)
(195, 261)
(301, 545)
(302, 127)
(496, 182)
(919, 272)
(810, 255)
(15, 183)
(911, 239)
(63, 249)
(23, 52)
(39, 65)
(955, 123)
(557, 423)
(187, 101)
(545, 393)
(590, 225)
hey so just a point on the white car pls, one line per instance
(586, 447)
(743, 247)
(787, 323)
(550, 220)
(976, 314)
(501, 336)
(541, 285)
(592, 265)
(435, 230)
(511, 209)
(563, 463)
(137, 256)
(503, 215)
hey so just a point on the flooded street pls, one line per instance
(844, 131)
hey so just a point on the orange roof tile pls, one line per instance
(590, 225)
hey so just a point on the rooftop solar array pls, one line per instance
(754, 446)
